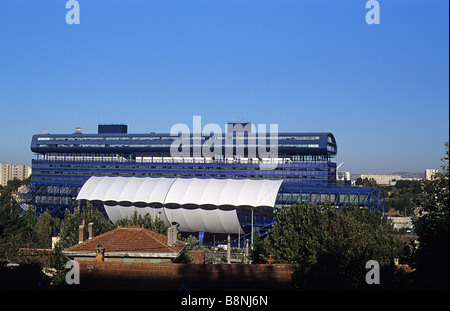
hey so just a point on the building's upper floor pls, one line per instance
(115, 139)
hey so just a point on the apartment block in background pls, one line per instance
(10, 171)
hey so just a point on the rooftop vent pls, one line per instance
(112, 129)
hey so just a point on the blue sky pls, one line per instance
(382, 90)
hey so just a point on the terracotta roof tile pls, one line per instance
(129, 239)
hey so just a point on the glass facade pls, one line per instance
(304, 161)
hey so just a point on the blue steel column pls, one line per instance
(201, 235)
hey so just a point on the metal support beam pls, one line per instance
(228, 249)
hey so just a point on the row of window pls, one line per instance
(169, 172)
(342, 197)
(88, 138)
(162, 157)
(176, 146)
(78, 179)
(183, 166)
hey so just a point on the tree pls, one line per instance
(365, 182)
(194, 244)
(69, 229)
(327, 247)
(15, 229)
(10, 228)
(156, 225)
(46, 227)
(432, 257)
(402, 195)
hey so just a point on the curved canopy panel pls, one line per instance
(177, 196)
(220, 192)
(126, 189)
(181, 191)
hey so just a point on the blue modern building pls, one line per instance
(304, 162)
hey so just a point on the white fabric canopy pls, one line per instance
(182, 192)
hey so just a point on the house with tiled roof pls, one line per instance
(127, 244)
(134, 258)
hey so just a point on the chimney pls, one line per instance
(91, 230)
(81, 233)
(169, 236)
(172, 235)
(100, 252)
